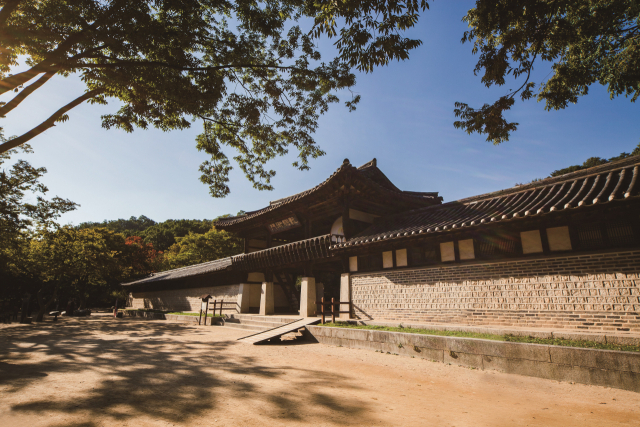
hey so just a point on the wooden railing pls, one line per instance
(215, 306)
(332, 311)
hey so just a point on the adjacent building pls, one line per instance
(560, 252)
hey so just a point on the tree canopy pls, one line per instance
(197, 248)
(159, 234)
(18, 209)
(250, 72)
(586, 42)
(127, 227)
(594, 161)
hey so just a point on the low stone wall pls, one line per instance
(605, 368)
(188, 299)
(162, 316)
(185, 299)
(598, 292)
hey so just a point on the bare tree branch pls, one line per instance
(49, 123)
(25, 92)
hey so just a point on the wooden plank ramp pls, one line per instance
(278, 331)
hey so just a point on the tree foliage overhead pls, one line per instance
(250, 72)
(586, 42)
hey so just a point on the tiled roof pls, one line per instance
(607, 183)
(192, 270)
(368, 171)
(302, 250)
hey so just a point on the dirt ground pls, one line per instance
(102, 371)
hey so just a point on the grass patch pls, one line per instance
(494, 337)
(144, 310)
(179, 313)
(182, 313)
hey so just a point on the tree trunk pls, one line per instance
(43, 306)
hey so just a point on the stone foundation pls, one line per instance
(188, 299)
(598, 292)
(185, 299)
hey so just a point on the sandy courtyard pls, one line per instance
(126, 372)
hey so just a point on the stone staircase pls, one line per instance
(257, 323)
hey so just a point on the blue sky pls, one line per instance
(405, 120)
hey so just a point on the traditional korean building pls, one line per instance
(560, 252)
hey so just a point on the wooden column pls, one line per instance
(268, 239)
(346, 221)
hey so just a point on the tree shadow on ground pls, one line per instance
(140, 368)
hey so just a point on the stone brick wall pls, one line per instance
(185, 299)
(599, 292)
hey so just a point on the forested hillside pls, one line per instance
(180, 242)
(160, 234)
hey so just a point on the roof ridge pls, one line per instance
(596, 170)
(174, 270)
(346, 165)
(600, 185)
(555, 179)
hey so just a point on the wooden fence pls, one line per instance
(214, 306)
(332, 305)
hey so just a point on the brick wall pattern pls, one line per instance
(599, 292)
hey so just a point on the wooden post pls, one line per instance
(333, 311)
(221, 302)
(206, 312)
(322, 308)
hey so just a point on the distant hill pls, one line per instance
(160, 234)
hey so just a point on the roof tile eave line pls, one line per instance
(583, 173)
(480, 210)
(590, 191)
(502, 206)
(522, 201)
(621, 178)
(584, 187)
(632, 184)
(603, 190)
(559, 205)
(457, 215)
(221, 263)
(552, 199)
(531, 201)
(550, 195)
